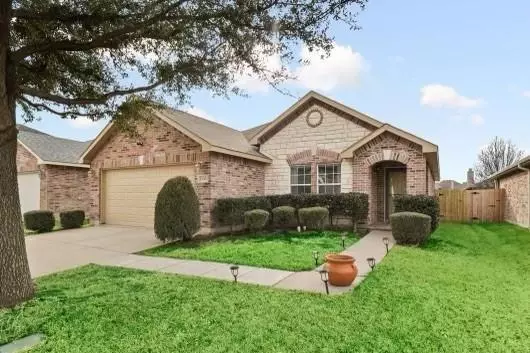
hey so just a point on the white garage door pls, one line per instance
(29, 191)
(129, 195)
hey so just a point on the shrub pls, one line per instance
(72, 219)
(39, 221)
(229, 211)
(284, 216)
(427, 205)
(313, 217)
(177, 214)
(410, 227)
(256, 219)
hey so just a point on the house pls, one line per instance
(49, 175)
(515, 179)
(455, 185)
(317, 145)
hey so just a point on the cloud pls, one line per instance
(249, 81)
(200, 113)
(526, 94)
(440, 96)
(477, 119)
(85, 123)
(342, 68)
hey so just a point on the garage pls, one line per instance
(129, 195)
(29, 191)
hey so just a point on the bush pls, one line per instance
(284, 216)
(410, 227)
(313, 217)
(39, 221)
(427, 205)
(72, 219)
(177, 214)
(256, 219)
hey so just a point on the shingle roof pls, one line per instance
(250, 133)
(50, 148)
(215, 134)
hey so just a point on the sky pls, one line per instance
(453, 72)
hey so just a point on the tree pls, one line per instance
(115, 58)
(496, 156)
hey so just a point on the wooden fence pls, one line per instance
(472, 205)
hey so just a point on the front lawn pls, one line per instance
(466, 291)
(286, 251)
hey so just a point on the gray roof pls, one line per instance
(525, 162)
(215, 134)
(50, 148)
(250, 133)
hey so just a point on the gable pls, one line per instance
(26, 161)
(314, 125)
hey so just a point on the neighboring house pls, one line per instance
(515, 179)
(317, 145)
(455, 185)
(49, 175)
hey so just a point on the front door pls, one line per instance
(396, 184)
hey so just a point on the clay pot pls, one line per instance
(341, 269)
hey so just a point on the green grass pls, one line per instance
(286, 251)
(466, 291)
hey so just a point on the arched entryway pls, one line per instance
(389, 179)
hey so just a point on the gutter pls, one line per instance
(528, 204)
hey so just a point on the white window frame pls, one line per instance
(326, 165)
(305, 185)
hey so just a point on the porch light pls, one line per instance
(371, 262)
(386, 241)
(343, 241)
(324, 278)
(315, 256)
(235, 272)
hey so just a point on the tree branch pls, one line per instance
(41, 106)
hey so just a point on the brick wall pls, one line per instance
(516, 202)
(26, 162)
(160, 144)
(64, 188)
(388, 147)
(335, 133)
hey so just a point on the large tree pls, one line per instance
(496, 156)
(112, 58)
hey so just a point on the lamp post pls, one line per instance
(343, 241)
(324, 278)
(235, 272)
(371, 262)
(315, 256)
(386, 241)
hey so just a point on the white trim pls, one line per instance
(238, 154)
(75, 165)
(329, 184)
(291, 177)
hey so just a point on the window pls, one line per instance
(301, 179)
(329, 179)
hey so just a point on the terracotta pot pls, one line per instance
(341, 269)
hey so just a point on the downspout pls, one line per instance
(528, 204)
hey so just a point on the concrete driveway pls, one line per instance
(62, 250)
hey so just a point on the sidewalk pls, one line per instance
(369, 246)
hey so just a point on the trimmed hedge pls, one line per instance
(428, 205)
(229, 211)
(39, 221)
(177, 214)
(284, 217)
(313, 217)
(256, 219)
(410, 227)
(72, 219)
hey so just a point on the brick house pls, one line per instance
(317, 145)
(49, 175)
(515, 179)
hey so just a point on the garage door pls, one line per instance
(29, 191)
(129, 195)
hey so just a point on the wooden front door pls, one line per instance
(396, 184)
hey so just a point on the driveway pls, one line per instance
(62, 250)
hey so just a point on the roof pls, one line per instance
(50, 149)
(250, 133)
(525, 162)
(312, 95)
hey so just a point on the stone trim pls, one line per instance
(387, 155)
(319, 156)
(155, 159)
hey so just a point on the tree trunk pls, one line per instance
(15, 279)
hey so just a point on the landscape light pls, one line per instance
(371, 262)
(386, 241)
(324, 278)
(344, 241)
(315, 256)
(235, 272)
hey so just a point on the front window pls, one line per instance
(329, 179)
(301, 179)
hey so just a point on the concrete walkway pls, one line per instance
(369, 246)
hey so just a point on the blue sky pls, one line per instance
(453, 72)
